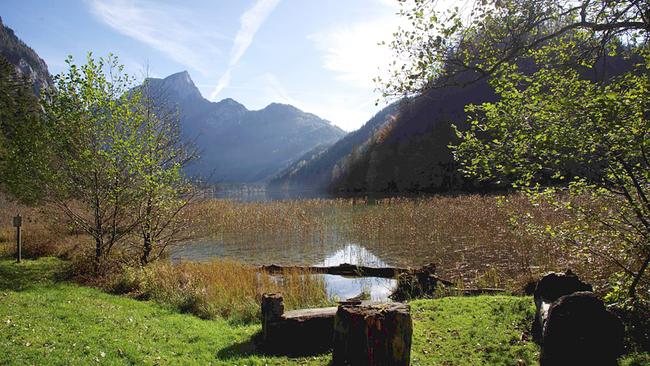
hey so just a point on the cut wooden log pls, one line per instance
(298, 332)
(272, 311)
(373, 335)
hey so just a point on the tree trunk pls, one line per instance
(98, 253)
(637, 278)
(146, 251)
(373, 335)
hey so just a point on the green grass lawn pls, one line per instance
(47, 321)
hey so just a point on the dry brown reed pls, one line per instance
(473, 239)
(44, 232)
(219, 288)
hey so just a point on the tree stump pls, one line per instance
(579, 330)
(373, 335)
(548, 290)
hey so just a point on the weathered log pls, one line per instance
(353, 270)
(550, 288)
(344, 269)
(372, 335)
(579, 330)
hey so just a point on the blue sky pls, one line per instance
(317, 55)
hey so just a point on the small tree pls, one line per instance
(164, 191)
(96, 149)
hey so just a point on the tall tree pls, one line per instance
(21, 135)
(587, 138)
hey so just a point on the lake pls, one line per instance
(469, 238)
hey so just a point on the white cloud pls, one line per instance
(168, 29)
(352, 51)
(250, 22)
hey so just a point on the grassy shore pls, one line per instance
(45, 320)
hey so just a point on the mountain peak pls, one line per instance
(231, 102)
(182, 83)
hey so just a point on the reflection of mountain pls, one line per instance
(236, 144)
(353, 254)
(344, 287)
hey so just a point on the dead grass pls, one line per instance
(471, 238)
(219, 288)
(44, 232)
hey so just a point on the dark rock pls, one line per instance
(550, 288)
(580, 331)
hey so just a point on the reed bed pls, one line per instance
(473, 239)
(219, 288)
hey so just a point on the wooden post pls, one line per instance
(272, 310)
(18, 221)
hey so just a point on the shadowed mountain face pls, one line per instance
(28, 64)
(323, 165)
(237, 145)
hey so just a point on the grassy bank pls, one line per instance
(218, 288)
(47, 321)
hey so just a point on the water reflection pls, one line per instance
(344, 288)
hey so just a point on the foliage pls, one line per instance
(21, 132)
(163, 190)
(587, 138)
(96, 149)
(462, 44)
(590, 137)
(99, 151)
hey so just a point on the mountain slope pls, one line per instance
(28, 63)
(320, 167)
(238, 145)
(414, 155)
